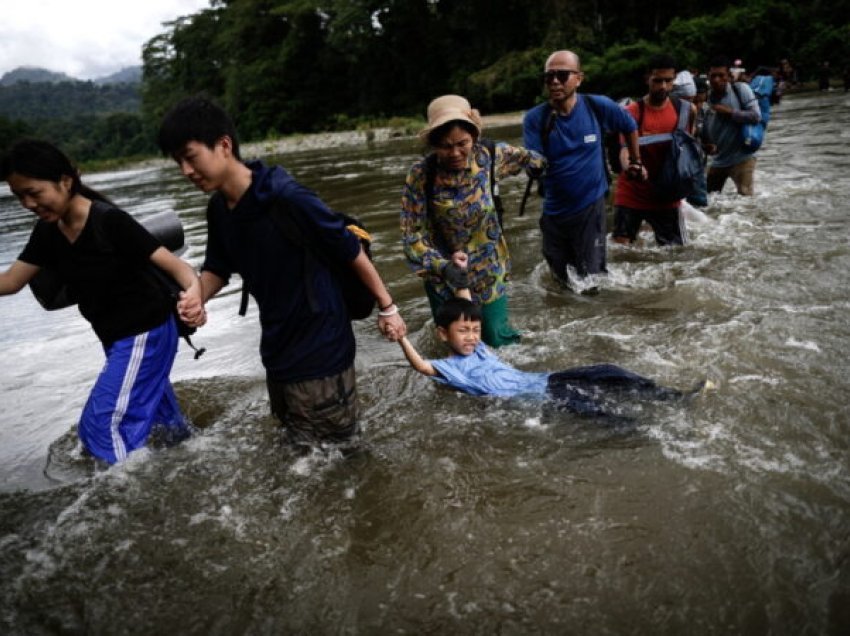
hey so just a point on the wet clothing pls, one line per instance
(578, 389)
(576, 174)
(132, 395)
(323, 409)
(668, 225)
(297, 343)
(302, 343)
(741, 175)
(576, 240)
(462, 216)
(635, 200)
(130, 314)
(725, 131)
(576, 180)
(113, 289)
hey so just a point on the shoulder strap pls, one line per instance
(737, 90)
(547, 129)
(490, 145)
(597, 115)
(430, 179)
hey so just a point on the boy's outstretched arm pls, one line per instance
(416, 361)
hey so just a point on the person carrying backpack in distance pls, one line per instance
(732, 105)
(657, 115)
(568, 130)
(450, 213)
(307, 344)
(104, 257)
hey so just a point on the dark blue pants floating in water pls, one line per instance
(581, 389)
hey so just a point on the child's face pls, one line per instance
(462, 335)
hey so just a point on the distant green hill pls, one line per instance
(33, 74)
(30, 101)
(97, 119)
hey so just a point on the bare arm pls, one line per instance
(190, 307)
(391, 325)
(18, 275)
(416, 361)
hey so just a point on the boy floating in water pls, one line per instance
(474, 369)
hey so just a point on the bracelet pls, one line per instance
(383, 313)
(635, 162)
(387, 306)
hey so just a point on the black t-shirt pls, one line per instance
(108, 270)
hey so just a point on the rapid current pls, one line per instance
(729, 514)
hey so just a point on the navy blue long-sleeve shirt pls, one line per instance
(299, 342)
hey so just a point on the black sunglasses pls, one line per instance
(563, 75)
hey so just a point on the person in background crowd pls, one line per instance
(730, 106)
(636, 200)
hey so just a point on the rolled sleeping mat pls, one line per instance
(51, 293)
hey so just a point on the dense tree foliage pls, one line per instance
(90, 121)
(281, 66)
(286, 65)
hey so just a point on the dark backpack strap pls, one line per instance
(597, 115)
(490, 145)
(641, 112)
(545, 133)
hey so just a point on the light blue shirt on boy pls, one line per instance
(482, 373)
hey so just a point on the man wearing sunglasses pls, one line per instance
(568, 129)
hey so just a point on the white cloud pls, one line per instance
(83, 38)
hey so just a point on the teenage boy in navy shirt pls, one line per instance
(307, 344)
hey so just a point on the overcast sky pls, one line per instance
(84, 38)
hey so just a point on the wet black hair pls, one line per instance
(661, 60)
(42, 160)
(456, 309)
(720, 61)
(195, 118)
(435, 136)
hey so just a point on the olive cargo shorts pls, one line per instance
(318, 411)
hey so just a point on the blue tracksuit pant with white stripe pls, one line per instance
(132, 395)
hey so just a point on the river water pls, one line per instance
(729, 514)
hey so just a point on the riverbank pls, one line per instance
(337, 139)
(305, 141)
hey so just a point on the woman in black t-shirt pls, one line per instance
(104, 257)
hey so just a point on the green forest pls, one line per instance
(285, 66)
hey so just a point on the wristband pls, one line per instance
(386, 313)
(387, 306)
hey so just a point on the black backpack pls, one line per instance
(431, 176)
(358, 300)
